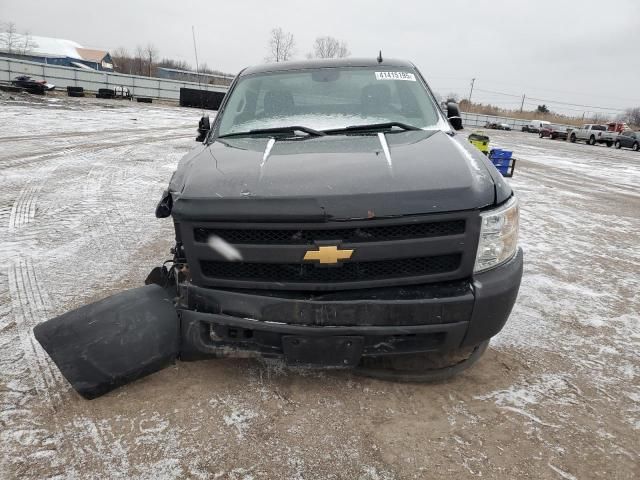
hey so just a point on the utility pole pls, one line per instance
(522, 104)
(473, 80)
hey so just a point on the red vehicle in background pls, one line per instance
(553, 132)
(618, 127)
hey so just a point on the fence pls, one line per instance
(480, 120)
(64, 77)
(163, 88)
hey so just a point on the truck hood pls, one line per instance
(332, 177)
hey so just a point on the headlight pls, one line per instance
(498, 236)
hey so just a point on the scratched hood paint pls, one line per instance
(334, 176)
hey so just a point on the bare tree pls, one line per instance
(453, 97)
(598, 117)
(27, 43)
(632, 116)
(281, 46)
(151, 54)
(329, 47)
(139, 61)
(122, 61)
(9, 39)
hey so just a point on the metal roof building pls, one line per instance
(55, 51)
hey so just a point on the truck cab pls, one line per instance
(593, 134)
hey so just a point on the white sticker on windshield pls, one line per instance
(395, 76)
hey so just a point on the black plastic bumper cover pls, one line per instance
(114, 341)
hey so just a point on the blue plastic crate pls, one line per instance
(502, 165)
(500, 154)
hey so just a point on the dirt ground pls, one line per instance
(556, 396)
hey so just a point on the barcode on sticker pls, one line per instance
(395, 76)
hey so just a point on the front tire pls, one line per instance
(572, 138)
(618, 144)
(540, 135)
(609, 144)
(636, 146)
(592, 140)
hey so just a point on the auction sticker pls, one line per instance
(395, 76)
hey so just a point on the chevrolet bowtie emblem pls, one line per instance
(328, 255)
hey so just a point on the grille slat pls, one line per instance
(302, 236)
(347, 272)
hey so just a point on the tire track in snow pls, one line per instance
(82, 134)
(30, 306)
(30, 375)
(23, 210)
(67, 150)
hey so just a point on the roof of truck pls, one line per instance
(326, 62)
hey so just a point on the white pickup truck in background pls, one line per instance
(593, 134)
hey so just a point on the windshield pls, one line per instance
(328, 98)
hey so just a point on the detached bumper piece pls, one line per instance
(106, 344)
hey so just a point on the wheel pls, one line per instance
(552, 137)
(635, 146)
(618, 144)
(540, 135)
(609, 144)
(592, 140)
(421, 367)
(572, 138)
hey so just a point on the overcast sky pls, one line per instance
(583, 52)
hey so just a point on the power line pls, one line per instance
(498, 93)
(528, 87)
(578, 105)
(557, 102)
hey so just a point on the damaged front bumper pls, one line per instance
(386, 321)
(127, 336)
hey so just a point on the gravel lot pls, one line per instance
(556, 396)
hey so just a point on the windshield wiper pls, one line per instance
(371, 127)
(265, 131)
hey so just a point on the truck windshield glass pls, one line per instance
(328, 98)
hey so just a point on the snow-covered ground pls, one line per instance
(556, 396)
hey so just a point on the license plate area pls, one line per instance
(334, 351)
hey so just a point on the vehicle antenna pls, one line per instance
(380, 56)
(195, 50)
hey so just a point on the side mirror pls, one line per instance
(203, 128)
(453, 114)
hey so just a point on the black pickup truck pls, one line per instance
(331, 216)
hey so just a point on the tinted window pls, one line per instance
(326, 98)
(599, 127)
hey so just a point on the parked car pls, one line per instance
(497, 126)
(553, 132)
(39, 87)
(534, 126)
(628, 139)
(363, 234)
(592, 134)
